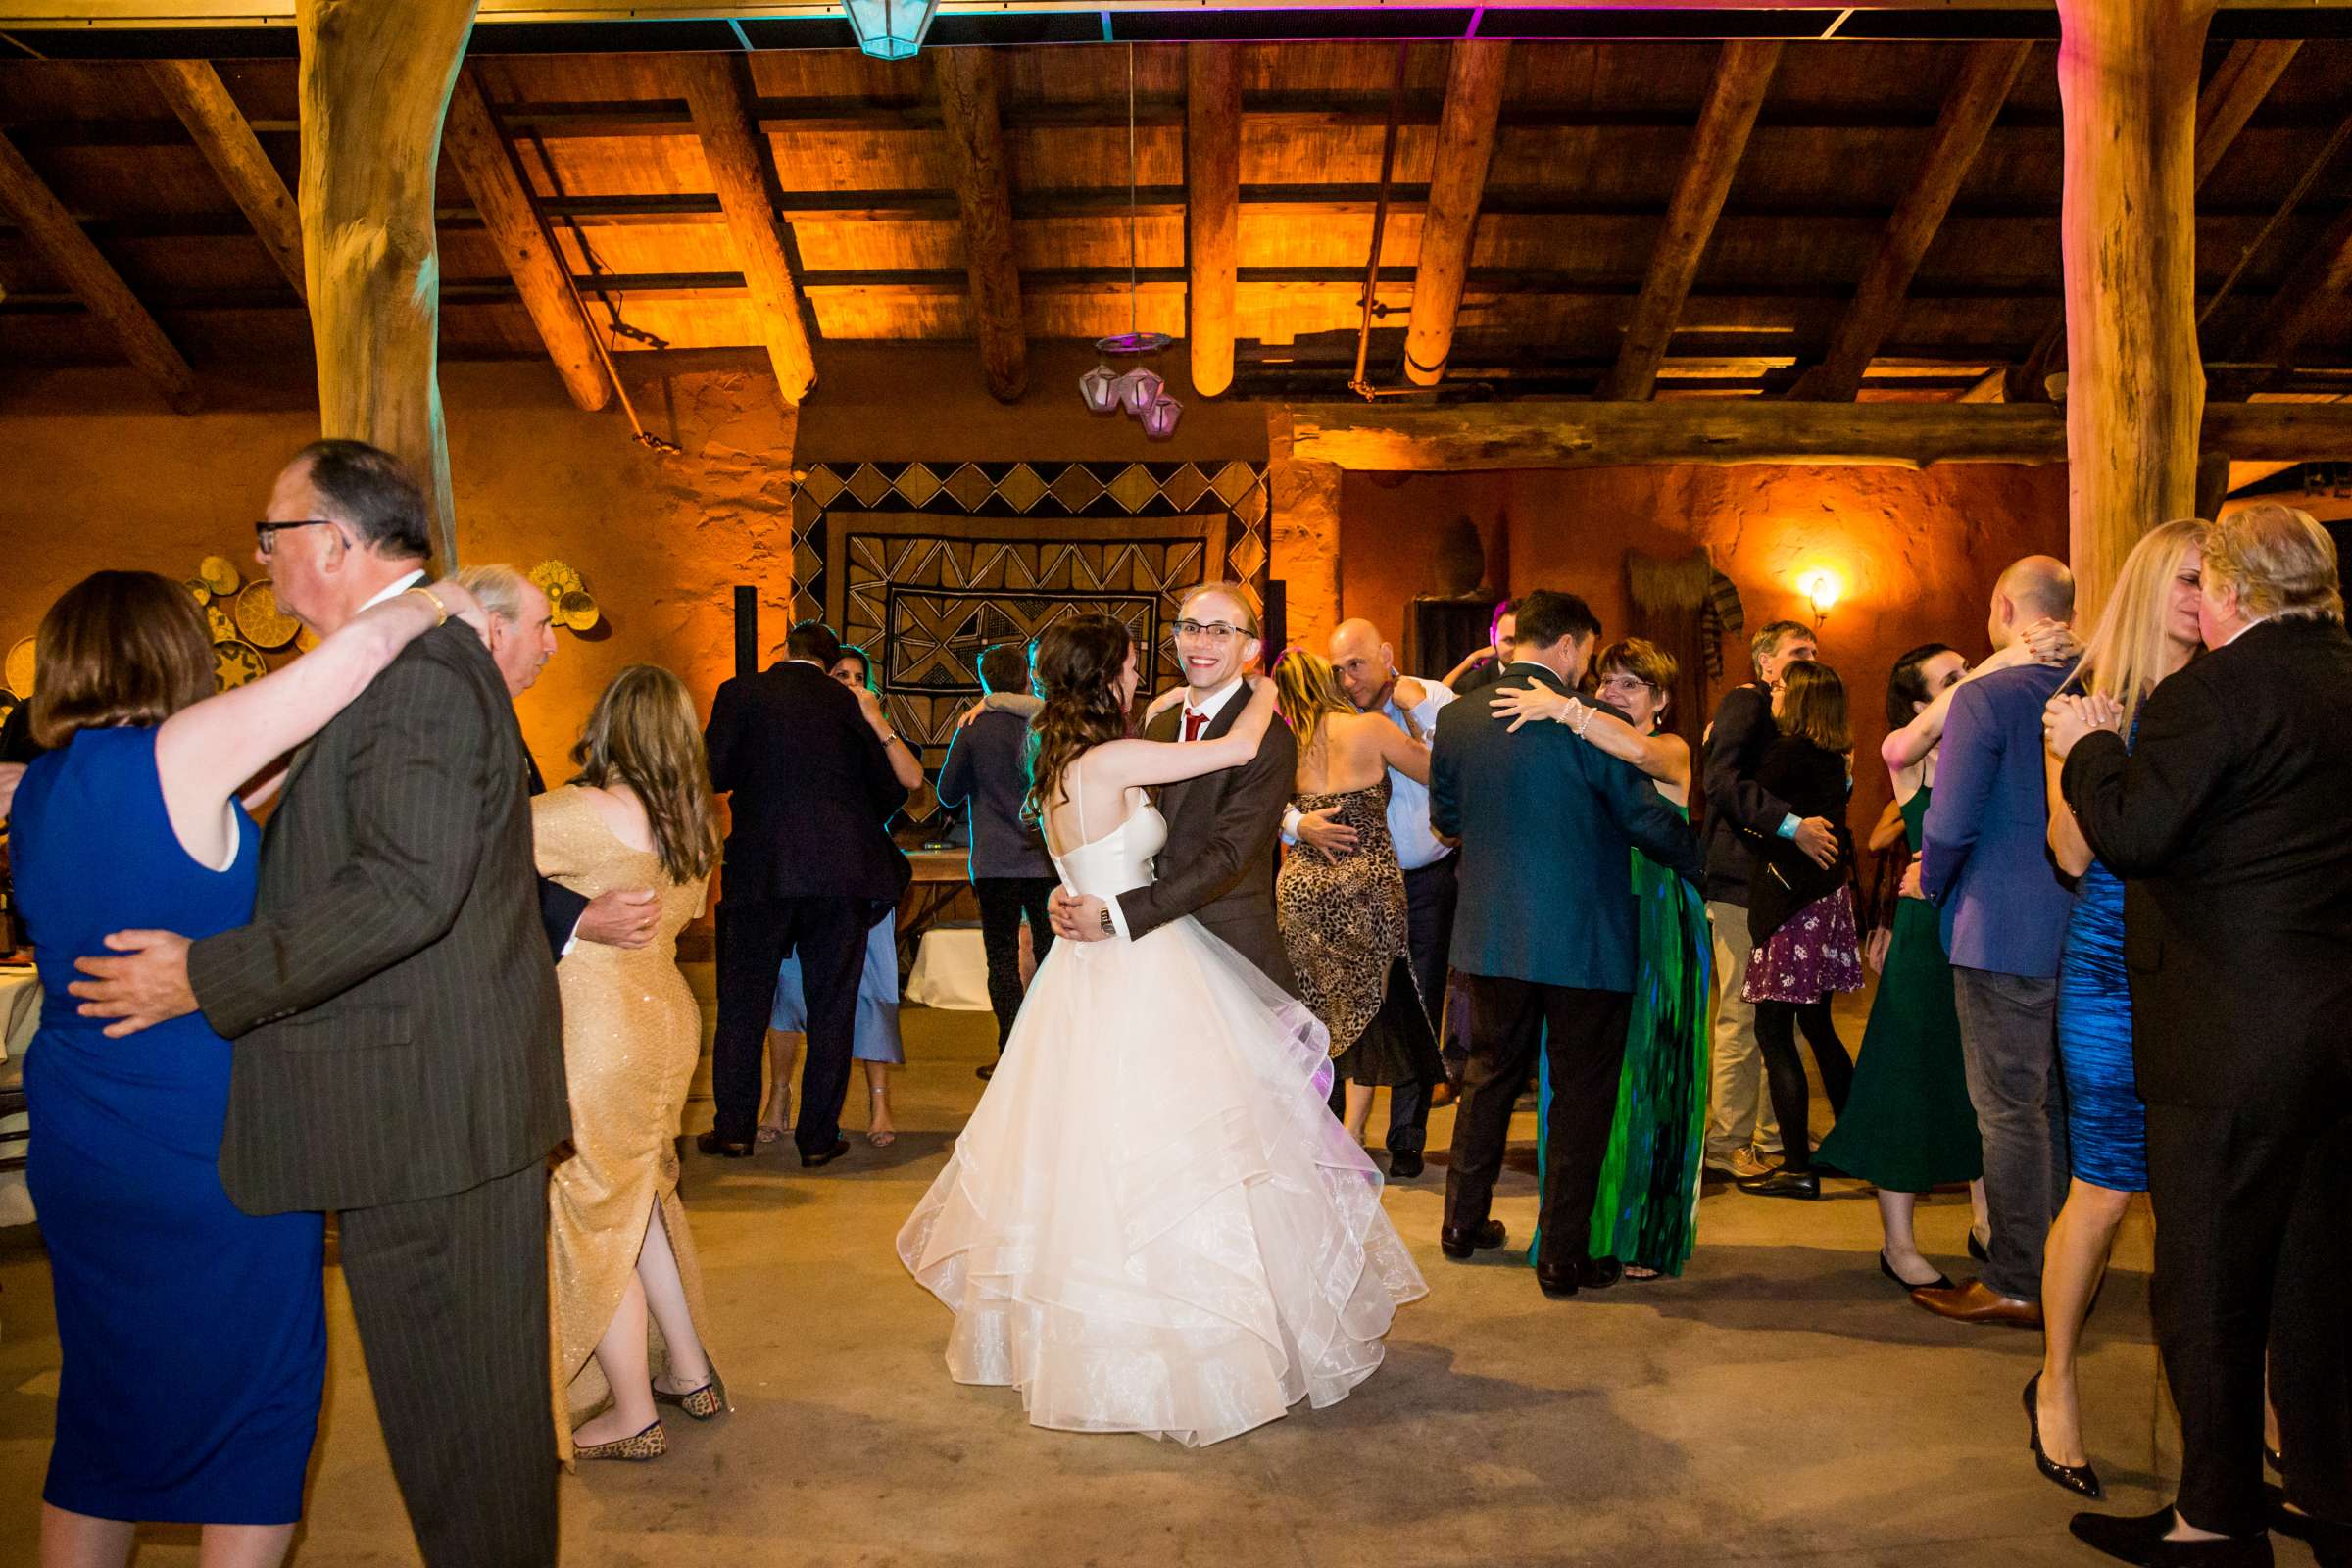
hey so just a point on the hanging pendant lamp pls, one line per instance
(1139, 391)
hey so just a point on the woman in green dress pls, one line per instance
(1908, 1125)
(1647, 1211)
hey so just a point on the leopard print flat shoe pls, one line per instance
(651, 1443)
(700, 1404)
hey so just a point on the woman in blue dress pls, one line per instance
(2147, 630)
(876, 1042)
(193, 1335)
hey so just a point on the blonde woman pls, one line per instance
(1342, 920)
(2148, 631)
(638, 814)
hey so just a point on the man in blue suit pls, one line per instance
(1544, 935)
(1984, 862)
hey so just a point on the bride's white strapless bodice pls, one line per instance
(1120, 860)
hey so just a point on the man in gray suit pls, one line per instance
(399, 1056)
(1545, 936)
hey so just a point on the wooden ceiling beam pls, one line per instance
(485, 161)
(36, 210)
(201, 100)
(1738, 430)
(1457, 183)
(1970, 108)
(2314, 291)
(975, 134)
(1741, 77)
(720, 101)
(1213, 178)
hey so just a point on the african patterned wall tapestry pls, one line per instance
(925, 564)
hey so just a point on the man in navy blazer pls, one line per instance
(1544, 935)
(1985, 864)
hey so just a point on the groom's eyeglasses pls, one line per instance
(1215, 631)
(264, 534)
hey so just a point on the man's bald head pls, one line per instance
(2036, 588)
(1364, 662)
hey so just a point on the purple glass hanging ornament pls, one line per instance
(1159, 419)
(1099, 387)
(1138, 389)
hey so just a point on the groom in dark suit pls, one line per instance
(1544, 935)
(809, 868)
(1218, 865)
(399, 1057)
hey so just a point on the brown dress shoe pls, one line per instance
(1974, 1302)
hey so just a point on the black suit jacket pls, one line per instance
(1739, 810)
(1783, 878)
(1218, 865)
(393, 1007)
(559, 908)
(811, 787)
(2226, 822)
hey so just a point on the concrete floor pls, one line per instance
(1782, 1402)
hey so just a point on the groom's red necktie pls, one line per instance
(1194, 721)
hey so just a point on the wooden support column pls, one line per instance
(2136, 390)
(1305, 532)
(1969, 110)
(720, 101)
(2242, 81)
(201, 100)
(51, 231)
(1212, 181)
(486, 163)
(1457, 185)
(374, 85)
(1742, 79)
(966, 80)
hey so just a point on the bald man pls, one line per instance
(1984, 864)
(1366, 665)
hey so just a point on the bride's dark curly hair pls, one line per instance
(1077, 674)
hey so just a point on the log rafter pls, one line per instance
(1457, 182)
(1213, 173)
(1742, 79)
(1970, 108)
(202, 101)
(485, 161)
(975, 134)
(36, 210)
(720, 101)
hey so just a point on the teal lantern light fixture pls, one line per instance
(890, 29)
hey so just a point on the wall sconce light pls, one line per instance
(1821, 588)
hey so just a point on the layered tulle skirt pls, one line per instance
(1152, 1222)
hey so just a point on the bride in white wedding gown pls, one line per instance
(1152, 1222)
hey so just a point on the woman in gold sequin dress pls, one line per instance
(638, 814)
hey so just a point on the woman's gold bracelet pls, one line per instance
(433, 598)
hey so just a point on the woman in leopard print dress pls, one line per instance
(1342, 920)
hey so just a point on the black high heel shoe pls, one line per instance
(2080, 1479)
(1976, 1248)
(1942, 1281)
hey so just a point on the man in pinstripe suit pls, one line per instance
(399, 1056)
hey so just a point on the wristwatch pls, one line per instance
(1110, 926)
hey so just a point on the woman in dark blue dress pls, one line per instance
(193, 1339)
(2147, 630)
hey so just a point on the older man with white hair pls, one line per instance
(522, 638)
(1367, 664)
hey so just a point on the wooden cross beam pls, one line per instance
(1457, 185)
(966, 79)
(2315, 291)
(201, 100)
(1742, 79)
(1969, 111)
(1213, 178)
(721, 103)
(1740, 430)
(50, 227)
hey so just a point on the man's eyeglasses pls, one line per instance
(1215, 631)
(264, 534)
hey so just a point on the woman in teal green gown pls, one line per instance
(1646, 1212)
(1908, 1126)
